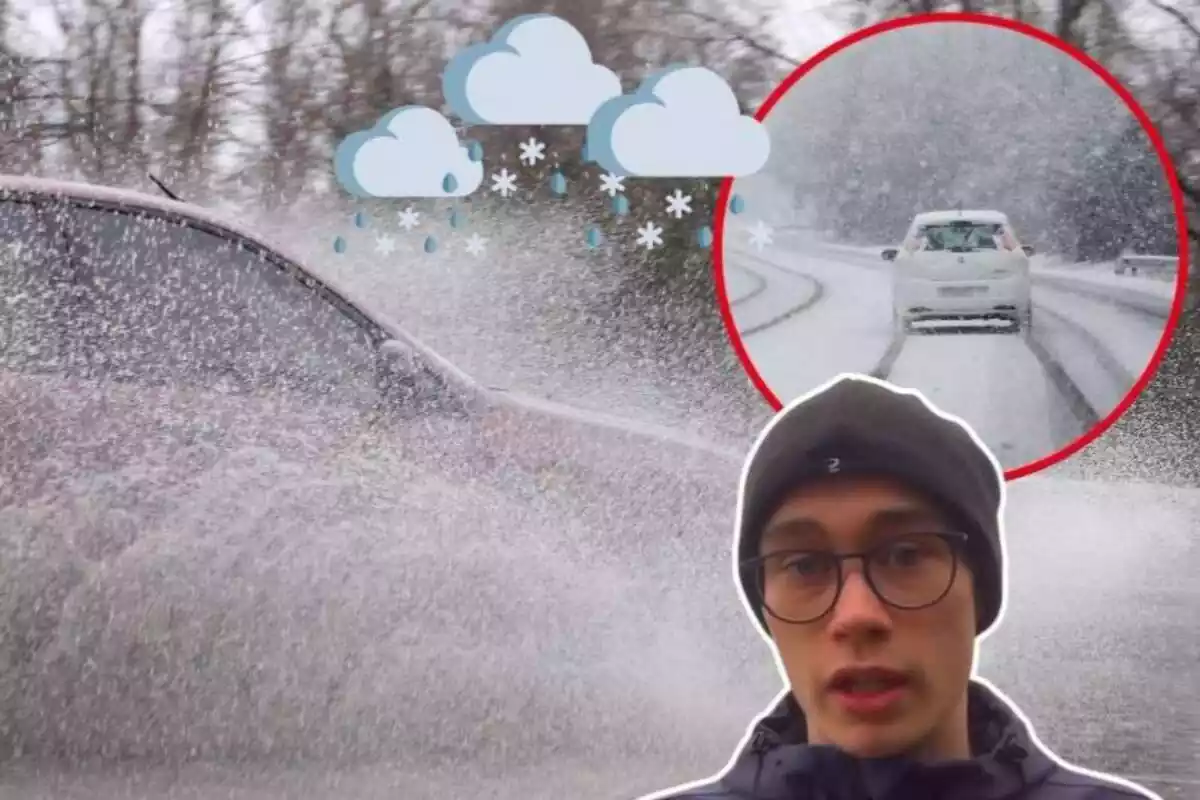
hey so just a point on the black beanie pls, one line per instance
(860, 425)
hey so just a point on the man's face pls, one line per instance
(932, 647)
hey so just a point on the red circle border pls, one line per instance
(1156, 138)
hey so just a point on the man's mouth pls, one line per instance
(868, 691)
(866, 680)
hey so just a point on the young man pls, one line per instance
(869, 551)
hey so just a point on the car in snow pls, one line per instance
(204, 437)
(961, 265)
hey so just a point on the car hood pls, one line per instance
(189, 573)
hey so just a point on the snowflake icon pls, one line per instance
(532, 151)
(611, 184)
(650, 236)
(679, 204)
(476, 244)
(504, 182)
(761, 235)
(385, 245)
(410, 218)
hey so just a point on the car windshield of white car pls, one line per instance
(961, 236)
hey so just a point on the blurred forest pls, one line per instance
(244, 100)
(935, 125)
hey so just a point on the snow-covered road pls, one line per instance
(1093, 337)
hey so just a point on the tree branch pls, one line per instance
(1179, 17)
(741, 37)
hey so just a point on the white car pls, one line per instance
(961, 265)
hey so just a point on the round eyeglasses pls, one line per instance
(908, 572)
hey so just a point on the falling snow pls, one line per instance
(385, 245)
(504, 183)
(409, 218)
(532, 151)
(679, 204)
(476, 244)
(650, 236)
(761, 235)
(225, 574)
(611, 184)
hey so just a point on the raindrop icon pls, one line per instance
(594, 238)
(360, 220)
(704, 237)
(457, 219)
(620, 204)
(431, 244)
(339, 245)
(737, 204)
(449, 183)
(474, 151)
(558, 183)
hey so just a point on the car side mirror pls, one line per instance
(890, 254)
(410, 383)
(1029, 249)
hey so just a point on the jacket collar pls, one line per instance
(778, 762)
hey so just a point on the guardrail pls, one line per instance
(1154, 264)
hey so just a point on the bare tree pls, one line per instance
(286, 107)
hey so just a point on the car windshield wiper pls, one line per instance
(163, 187)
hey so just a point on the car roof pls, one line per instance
(978, 215)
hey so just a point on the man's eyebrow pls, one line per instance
(793, 526)
(905, 515)
(878, 521)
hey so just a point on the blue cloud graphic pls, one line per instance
(682, 122)
(412, 151)
(536, 70)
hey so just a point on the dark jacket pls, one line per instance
(777, 764)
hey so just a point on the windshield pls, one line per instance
(119, 295)
(960, 236)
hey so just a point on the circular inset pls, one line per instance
(1011, 242)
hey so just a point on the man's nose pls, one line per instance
(859, 611)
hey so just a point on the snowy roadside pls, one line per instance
(1154, 294)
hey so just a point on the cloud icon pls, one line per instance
(683, 122)
(412, 151)
(536, 70)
